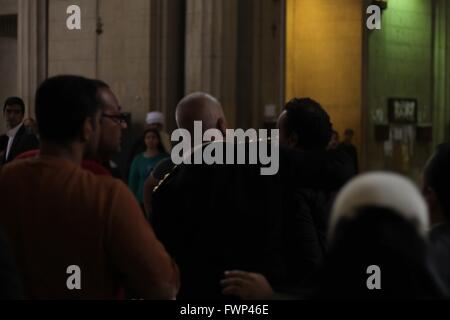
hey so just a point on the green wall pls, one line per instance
(400, 64)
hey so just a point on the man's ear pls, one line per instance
(222, 126)
(88, 130)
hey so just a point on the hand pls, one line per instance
(247, 285)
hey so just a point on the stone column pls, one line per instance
(260, 69)
(211, 50)
(167, 23)
(32, 49)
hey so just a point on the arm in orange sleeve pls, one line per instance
(136, 252)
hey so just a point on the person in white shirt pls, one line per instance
(17, 139)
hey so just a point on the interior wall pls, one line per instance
(8, 72)
(8, 61)
(400, 66)
(324, 58)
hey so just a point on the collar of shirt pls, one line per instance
(12, 133)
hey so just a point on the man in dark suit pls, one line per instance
(230, 217)
(17, 139)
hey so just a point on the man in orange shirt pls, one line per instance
(65, 223)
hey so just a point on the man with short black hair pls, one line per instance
(59, 216)
(306, 129)
(112, 122)
(305, 125)
(311, 176)
(18, 138)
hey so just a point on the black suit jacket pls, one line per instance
(440, 252)
(23, 142)
(227, 217)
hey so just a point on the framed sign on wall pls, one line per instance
(402, 110)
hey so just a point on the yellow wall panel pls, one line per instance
(324, 57)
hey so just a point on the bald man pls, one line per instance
(202, 107)
(197, 106)
(214, 218)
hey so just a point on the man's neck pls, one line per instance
(15, 127)
(73, 152)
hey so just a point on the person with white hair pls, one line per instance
(197, 106)
(377, 247)
(377, 239)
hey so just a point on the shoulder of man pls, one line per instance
(163, 168)
(27, 137)
(114, 194)
(12, 172)
(166, 172)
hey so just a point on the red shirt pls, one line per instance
(57, 215)
(89, 165)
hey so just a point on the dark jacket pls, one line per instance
(217, 218)
(440, 252)
(312, 178)
(228, 217)
(315, 177)
(23, 141)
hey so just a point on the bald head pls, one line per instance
(202, 107)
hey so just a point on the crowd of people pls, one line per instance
(207, 232)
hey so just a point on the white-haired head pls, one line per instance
(200, 106)
(386, 190)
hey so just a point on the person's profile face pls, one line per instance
(111, 124)
(13, 115)
(94, 137)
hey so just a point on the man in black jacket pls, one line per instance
(218, 218)
(311, 175)
(18, 139)
(315, 173)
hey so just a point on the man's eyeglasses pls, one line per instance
(117, 118)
